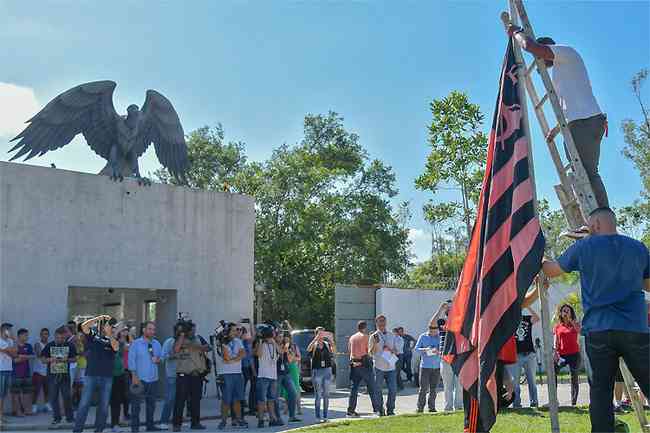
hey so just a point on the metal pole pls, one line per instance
(543, 294)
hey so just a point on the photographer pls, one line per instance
(284, 380)
(320, 349)
(101, 348)
(267, 353)
(233, 390)
(190, 368)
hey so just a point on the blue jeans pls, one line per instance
(321, 378)
(357, 375)
(103, 386)
(170, 398)
(390, 377)
(527, 361)
(149, 396)
(285, 381)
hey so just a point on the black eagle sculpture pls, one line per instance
(88, 109)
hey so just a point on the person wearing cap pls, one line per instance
(144, 357)
(101, 348)
(428, 346)
(7, 353)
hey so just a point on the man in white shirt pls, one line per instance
(233, 388)
(571, 81)
(7, 353)
(381, 346)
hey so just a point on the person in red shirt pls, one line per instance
(566, 347)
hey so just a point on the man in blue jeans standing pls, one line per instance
(144, 357)
(526, 359)
(614, 272)
(101, 348)
(384, 352)
(170, 373)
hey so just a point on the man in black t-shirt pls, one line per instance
(526, 358)
(58, 355)
(101, 350)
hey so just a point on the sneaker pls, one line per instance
(324, 420)
(294, 419)
(260, 423)
(163, 426)
(116, 429)
(243, 423)
(276, 423)
(534, 404)
(197, 427)
(353, 414)
(576, 234)
(430, 410)
(56, 422)
(419, 410)
(222, 424)
(391, 414)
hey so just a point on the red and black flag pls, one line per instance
(504, 256)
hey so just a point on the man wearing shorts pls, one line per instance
(7, 353)
(266, 389)
(233, 380)
(21, 388)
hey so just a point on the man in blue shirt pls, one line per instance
(144, 357)
(614, 272)
(427, 346)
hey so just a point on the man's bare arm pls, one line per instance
(529, 44)
(552, 269)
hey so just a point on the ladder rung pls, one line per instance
(553, 133)
(530, 68)
(541, 101)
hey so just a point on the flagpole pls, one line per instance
(551, 383)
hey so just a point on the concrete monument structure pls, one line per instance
(74, 244)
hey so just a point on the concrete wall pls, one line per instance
(351, 304)
(60, 229)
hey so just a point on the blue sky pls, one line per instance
(259, 67)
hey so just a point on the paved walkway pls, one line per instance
(406, 403)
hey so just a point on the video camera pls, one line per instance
(183, 325)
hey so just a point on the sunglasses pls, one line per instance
(433, 327)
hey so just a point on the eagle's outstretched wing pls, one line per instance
(87, 109)
(160, 124)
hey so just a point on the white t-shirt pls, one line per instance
(37, 365)
(572, 84)
(233, 350)
(268, 361)
(385, 340)
(5, 360)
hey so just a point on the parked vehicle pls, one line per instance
(302, 338)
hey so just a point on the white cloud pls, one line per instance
(17, 104)
(420, 244)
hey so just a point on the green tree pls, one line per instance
(439, 273)
(637, 150)
(457, 158)
(323, 216)
(215, 163)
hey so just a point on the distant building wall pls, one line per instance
(62, 229)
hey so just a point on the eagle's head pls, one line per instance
(132, 114)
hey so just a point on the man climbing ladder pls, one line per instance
(571, 81)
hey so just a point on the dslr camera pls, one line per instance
(183, 324)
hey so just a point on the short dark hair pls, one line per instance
(602, 210)
(60, 330)
(545, 40)
(22, 331)
(361, 325)
(45, 329)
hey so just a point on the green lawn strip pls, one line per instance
(572, 420)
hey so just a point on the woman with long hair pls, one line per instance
(566, 347)
(294, 370)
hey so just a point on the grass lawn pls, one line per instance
(572, 420)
